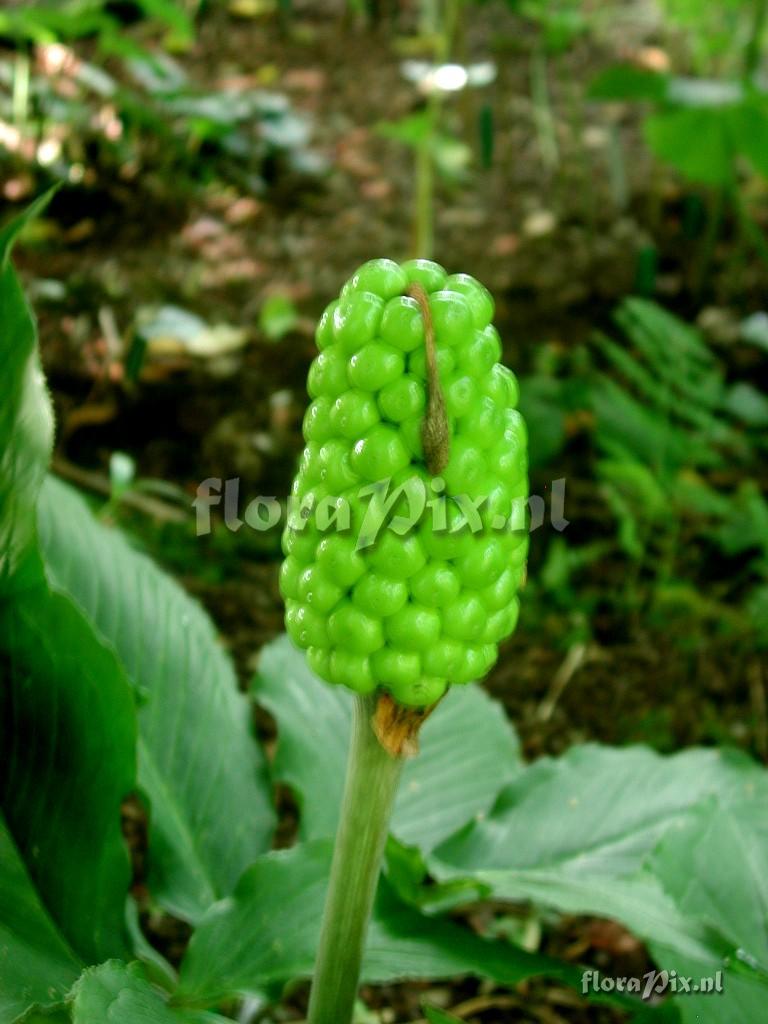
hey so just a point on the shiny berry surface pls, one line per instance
(407, 606)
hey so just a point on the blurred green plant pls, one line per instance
(725, 37)
(277, 317)
(664, 424)
(712, 127)
(559, 24)
(676, 450)
(54, 21)
(72, 119)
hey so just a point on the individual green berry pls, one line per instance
(303, 507)
(452, 317)
(375, 366)
(466, 466)
(309, 467)
(335, 467)
(431, 276)
(481, 352)
(402, 324)
(306, 627)
(402, 399)
(301, 543)
(460, 394)
(450, 542)
(465, 617)
(477, 661)
(317, 420)
(395, 668)
(356, 320)
(316, 590)
(500, 594)
(416, 609)
(502, 386)
(504, 460)
(353, 414)
(417, 363)
(422, 693)
(379, 595)
(414, 628)
(484, 422)
(477, 295)
(484, 564)
(337, 555)
(497, 507)
(351, 628)
(319, 660)
(436, 584)
(328, 374)
(324, 334)
(501, 623)
(379, 455)
(444, 658)
(352, 670)
(290, 572)
(397, 557)
(472, 665)
(382, 277)
(410, 431)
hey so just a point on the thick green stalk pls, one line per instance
(369, 795)
(424, 219)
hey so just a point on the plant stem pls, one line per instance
(369, 795)
(701, 267)
(754, 45)
(424, 215)
(543, 116)
(423, 242)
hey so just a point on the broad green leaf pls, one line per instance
(46, 1017)
(696, 141)
(37, 967)
(629, 82)
(716, 867)
(748, 124)
(468, 752)
(117, 993)
(596, 811)
(26, 418)
(576, 834)
(199, 764)
(266, 934)
(67, 732)
(639, 902)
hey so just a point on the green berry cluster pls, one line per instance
(410, 613)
